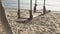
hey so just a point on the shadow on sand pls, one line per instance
(26, 20)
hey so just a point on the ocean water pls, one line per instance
(25, 4)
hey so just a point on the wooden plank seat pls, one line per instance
(23, 20)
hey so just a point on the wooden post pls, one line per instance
(18, 9)
(35, 5)
(3, 19)
(44, 8)
(31, 16)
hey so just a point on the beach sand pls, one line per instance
(44, 24)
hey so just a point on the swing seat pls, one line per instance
(22, 20)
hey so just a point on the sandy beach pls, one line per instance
(45, 24)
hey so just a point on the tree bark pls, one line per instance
(4, 22)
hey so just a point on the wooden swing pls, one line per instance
(44, 8)
(30, 11)
(21, 20)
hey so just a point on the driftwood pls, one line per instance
(4, 21)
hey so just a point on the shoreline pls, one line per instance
(13, 9)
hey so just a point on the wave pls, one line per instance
(50, 4)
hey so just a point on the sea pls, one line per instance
(25, 4)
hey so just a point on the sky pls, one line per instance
(25, 4)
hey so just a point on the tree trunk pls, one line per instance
(4, 21)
